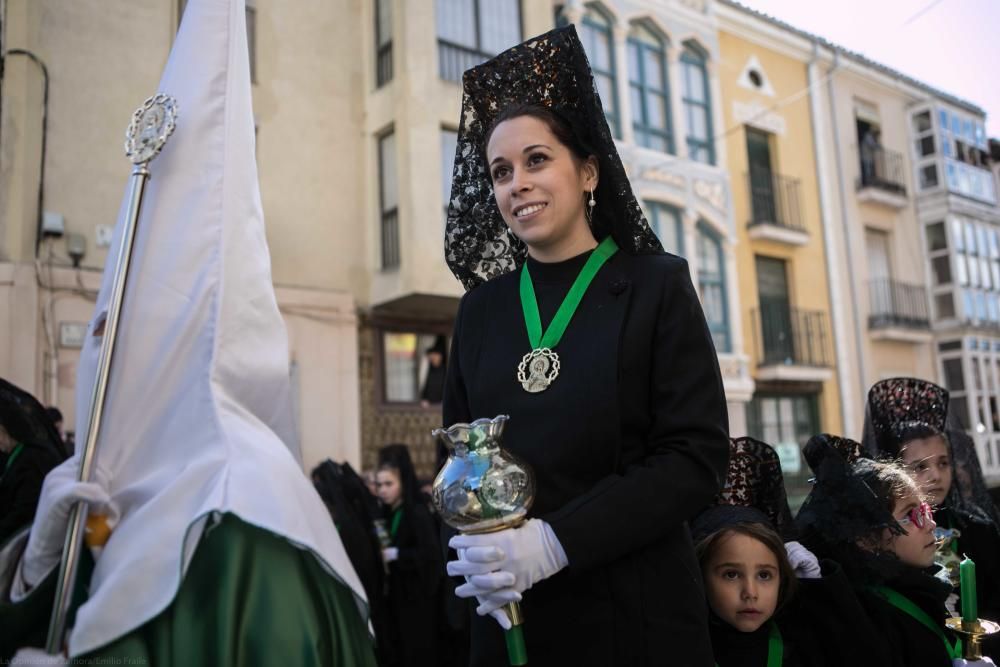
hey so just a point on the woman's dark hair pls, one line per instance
(787, 582)
(556, 122)
(887, 480)
(570, 136)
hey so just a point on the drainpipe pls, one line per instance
(848, 406)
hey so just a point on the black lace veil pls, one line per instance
(901, 409)
(550, 70)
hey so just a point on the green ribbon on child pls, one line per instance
(908, 607)
(775, 647)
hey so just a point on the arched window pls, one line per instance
(697, 105)
(666, 223)
(712, 285)
(647, 69)
(595, 33)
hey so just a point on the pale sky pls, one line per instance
(953, 45)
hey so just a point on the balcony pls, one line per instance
(791, 344)
(882, 179)
(776, 209)
(898, 312)
(454, 59)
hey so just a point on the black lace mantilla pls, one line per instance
(754, 492)
(549, 70)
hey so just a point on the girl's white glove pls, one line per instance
(982, 662)
(804, 563)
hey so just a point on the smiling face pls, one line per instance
(929, 462)
(742, 581)
(541, 188)
(916, 546)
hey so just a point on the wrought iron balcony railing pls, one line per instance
(896, 304)
(788, 336)
(774, 199)
(883, 169)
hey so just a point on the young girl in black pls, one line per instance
(909, 420)
(873, 519)
(772, 603)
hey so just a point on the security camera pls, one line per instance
(76, 246)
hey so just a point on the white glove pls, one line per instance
(390, 554)
(59, 493)
(803, 562)
(982, 662)
(36, 656)
(499, 566)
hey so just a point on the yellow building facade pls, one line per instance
(781, 253)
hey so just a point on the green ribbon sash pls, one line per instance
(907, 606)
(775, 647)
(397, 516)
(557, 327)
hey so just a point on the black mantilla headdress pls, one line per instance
(902, 409)
(754, 492)
(26, 421)
(552, 71)
(842, 510)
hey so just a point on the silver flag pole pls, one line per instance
(151, 126)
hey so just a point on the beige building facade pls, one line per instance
(356, 106)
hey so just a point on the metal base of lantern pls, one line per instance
(972, 635)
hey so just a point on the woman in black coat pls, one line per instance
(622, 416)
(415, 568)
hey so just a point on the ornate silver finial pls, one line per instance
(151, 125)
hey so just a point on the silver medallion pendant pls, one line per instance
(538, 369)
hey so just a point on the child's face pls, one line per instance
(916, 547)
(930, 464)
(389, 489)
(742, 581)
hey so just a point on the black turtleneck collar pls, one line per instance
(565, 271)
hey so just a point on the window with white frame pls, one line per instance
(712, 285)
(649, 90)
(924, 153)
(970, 370)
(941, 283)
(470, 32)
(388, 200)
(965, 270)
(697, 105)
(666, 223)
(598, 42)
